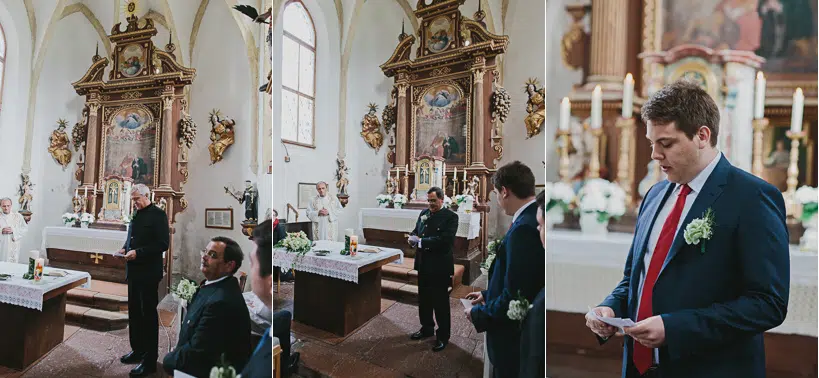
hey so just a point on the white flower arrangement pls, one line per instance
(460, 199)
(399, 199)
(87, 218)
(491, 252)
(295, 242)
(558, 194)
(70, 218)
(185, 290)
(518, 308)
(807, 197)
(700, 229)
(383, 198)
(602, 197)
(447, 202)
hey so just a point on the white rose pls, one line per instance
(563, 192)
(593, 202)
(806, 194)
(616, 207)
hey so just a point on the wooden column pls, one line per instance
(609, 44)
(401, 126)
(167, 138)
(477, 112)
(92, 142)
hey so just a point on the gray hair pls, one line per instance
(6, 199)
(322, 182)
(142, 189)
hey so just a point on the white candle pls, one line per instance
(85, 191)
(628, 96)
(455, 174)
(444, 168)
(796, 112)
(759, 99)
(388, 175)
(464, 175)
(597, 108)
(77, 193)
(565, 114)
(406, 169)
(34, 254)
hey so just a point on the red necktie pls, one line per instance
(642, 354)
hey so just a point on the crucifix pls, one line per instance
(97, 257)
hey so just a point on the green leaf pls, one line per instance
(808, 211)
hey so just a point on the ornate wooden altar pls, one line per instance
(443, 101)
(133, 118)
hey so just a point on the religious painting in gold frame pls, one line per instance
(696, 70)
(130, 144)
(441, 125)
(132, 60)
(737, 25)
(440, 34)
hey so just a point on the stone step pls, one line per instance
(96, 319)
(400, 282)
(102, 295)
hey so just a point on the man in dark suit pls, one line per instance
(533, 334)
(518, 269)
(148, 237)
(433, 238)
(217, 321)
(703, 303)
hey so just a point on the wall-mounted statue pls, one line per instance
(221, 135)
(536, 107)
(249, 198)
(26, 192)
(341, 177)
(59, 144)
(371, 128)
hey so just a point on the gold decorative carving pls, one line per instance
(183, 203)
(536, 108)
(625, 163)
(59, 144)
(402, 89)
(221, 135)
(167, 102)
(131, 95)
(371, 128)
(92, 108)
(573, 43)
(759, 126)
(440, 71)
(477, 75)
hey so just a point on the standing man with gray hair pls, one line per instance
(12, 228)
(323, 211)
(148, 237)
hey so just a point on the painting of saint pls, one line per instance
(132, 60)
(440, 34)
(781, 31)
(441, 119)
(130, 145)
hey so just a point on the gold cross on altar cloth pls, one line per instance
(97, 257)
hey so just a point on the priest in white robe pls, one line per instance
(12, 228)
(323, 211)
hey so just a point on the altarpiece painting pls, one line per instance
(441, 123)
(129, 144)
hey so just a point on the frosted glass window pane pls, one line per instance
(306, 71)
(297, 22)
(290, 114)
(290, 63)
(305, 120)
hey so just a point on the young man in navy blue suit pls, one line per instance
(518, 269)
(533, 329)
(701, 304)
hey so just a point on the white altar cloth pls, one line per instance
(581, 270)
(27, 293)
(83, 239)
(334, 264)
(403, 220)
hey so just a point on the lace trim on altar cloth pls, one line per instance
(333, 266)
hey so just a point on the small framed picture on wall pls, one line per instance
(219, 218)
(307, 191)
(539, 188)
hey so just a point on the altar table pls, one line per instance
(32, 315)
(336, 293)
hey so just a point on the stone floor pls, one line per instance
(382, 347)
(89, 353)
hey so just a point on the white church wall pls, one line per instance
(309, 165)
(64, 63)
(523, 60)
(15, 94)
(222, 82)
(374, 42)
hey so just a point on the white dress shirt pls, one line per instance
(696, 185)
(216, 280)
(517, 213)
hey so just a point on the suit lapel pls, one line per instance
(710, 192)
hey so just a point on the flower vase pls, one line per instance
(398, 205)
(383, 204)
(68, 224)
(83, 224)
(466, 207)
(589, 224)
(554, 216)
(808, 241)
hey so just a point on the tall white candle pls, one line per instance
(464, 175)
(628, 96)
(455, 174)
(565, 113)
(796, 112)
(759, 99)
(388, 175)
(597, 108)
(406, 169)
(444, 168)
(85, 192)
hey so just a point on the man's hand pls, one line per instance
(413, 240)
(7, 230)
(601, 329)
(130, 255)
(649, 332)
(323, 212)
(475, 297)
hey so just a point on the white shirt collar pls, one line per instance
(216, 280)
(517, 213)
(698, 182)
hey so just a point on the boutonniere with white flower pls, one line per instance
(424, 218)
(224, 370)
(700, 229)
(518, 308)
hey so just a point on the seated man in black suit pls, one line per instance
(217, 321)
(533, 333)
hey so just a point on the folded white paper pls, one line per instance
(619, 323)
(467, 303)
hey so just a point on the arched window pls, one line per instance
(298, 76)
(2, 62)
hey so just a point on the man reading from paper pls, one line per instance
(323, 211)
(12, 229)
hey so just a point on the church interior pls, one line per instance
(380, 101)
(604, 60)
(98, 97)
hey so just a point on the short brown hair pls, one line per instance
(686, 104)
(517, 178)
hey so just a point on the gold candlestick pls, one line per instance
(406, 184)
(594, 164)
(793, 171)
(564, 155)
(94, 203)
(444, 185)
(759, 128)
(624, 176)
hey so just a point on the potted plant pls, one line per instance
(599, 201)
(559, 196)
(807, 197)
(86, 219)
(383, 200)
(399, 200)
(69, 219)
